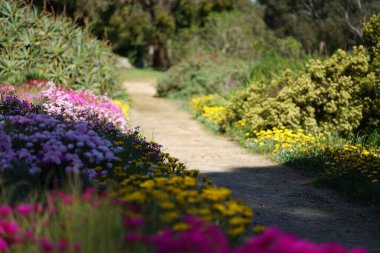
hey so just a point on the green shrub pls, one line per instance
(202, 74)
(33, 46)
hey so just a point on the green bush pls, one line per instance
(337, 94)
(34, 46)
(202, 74)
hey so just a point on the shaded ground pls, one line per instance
(278, 194)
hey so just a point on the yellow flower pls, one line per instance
(137, 196)
(123, 105)
(181, 226)
(170, 216)
(216, 194)
(167, 205)
(190, 181)
(235, 221)
(147, 184)
(236, 231)
(258, 229)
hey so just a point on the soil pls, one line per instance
(279, 195)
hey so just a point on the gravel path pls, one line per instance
(278, 194)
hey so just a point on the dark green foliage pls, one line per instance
(336, 23)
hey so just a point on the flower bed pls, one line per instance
(156, 204)
(339, 157)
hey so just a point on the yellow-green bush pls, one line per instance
(339, 93)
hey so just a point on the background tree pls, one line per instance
(336, 24)
(136, 26)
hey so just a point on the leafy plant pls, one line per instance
(53, 48)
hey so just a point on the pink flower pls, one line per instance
(24, 209)
(29, 236)
(133, 237)
(133, 222)
(63, 245)
(4, 247)
(46, 245)
(88, 194)
(5, 210)
(77, 246)
(9, 228)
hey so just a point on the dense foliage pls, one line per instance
(35, 46)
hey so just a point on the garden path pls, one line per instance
(279, 195)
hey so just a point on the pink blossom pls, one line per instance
(4, 247)
(77, 246)
(46, 245)
(133, 222)
(24, 209)
(5, 210)
(63, 245)
(9, 228)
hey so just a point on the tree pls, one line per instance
(337, 24)
(134, 26)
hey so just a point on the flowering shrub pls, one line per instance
(76, 106)
(42, 145)
(73, 106)
(353, 160)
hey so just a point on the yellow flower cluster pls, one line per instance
(164, 201)
(123, 105)
(354, 160)
(215, 114)
(197, 103)
(279, 139)
(209, 109)
(339, 157)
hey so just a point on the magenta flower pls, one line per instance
(9, 228)
(24, 209)
(133, 222)
(5, 210)
(4, 247)
(63, 245)
(46, 245)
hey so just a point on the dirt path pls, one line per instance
(279, 195)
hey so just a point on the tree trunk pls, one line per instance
(159, 55)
